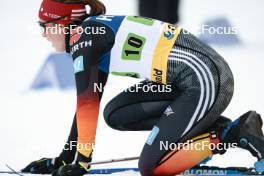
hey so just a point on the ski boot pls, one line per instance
(247, 133)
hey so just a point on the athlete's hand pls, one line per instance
(72, 170)
(43, 166)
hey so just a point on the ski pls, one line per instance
(93, 171)
(111, 171)
(9, 172)
(214, 170)
(13, 170)
(114, 160)
(198, 170)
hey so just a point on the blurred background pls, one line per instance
(38, 96)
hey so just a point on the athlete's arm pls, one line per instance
(69, 150)
(86, 51)
(86, 75)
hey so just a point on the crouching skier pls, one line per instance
(190, 114)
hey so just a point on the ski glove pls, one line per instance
(44, 166)
(71, 170)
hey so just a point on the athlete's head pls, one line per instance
(55, 15)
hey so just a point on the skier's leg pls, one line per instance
(199, 84)
(142, 110)
(134, 111)
(173, 129)
(185, 108)
(129, 111)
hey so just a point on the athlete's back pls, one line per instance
(140, 46)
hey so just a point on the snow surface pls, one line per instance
(35, 124)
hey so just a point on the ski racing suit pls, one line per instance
(162, 54)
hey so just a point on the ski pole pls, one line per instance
(90, 163)
(114, 160)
